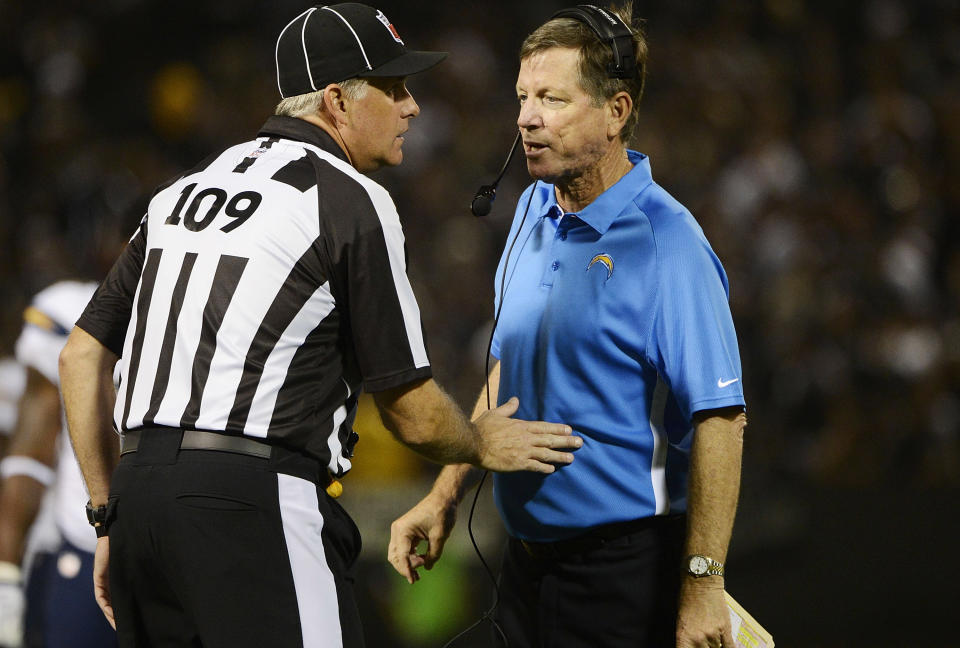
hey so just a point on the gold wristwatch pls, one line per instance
(699, 566)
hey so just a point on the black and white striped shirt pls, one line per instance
(262, 291)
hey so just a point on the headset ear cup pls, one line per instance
(610, 29)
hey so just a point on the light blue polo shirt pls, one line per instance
(616, 322)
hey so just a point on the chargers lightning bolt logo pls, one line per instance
(606, 260)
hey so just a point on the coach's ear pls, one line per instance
(335, 103)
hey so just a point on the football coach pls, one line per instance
(262, 292)
(614, 319)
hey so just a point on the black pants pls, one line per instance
(221, 550)
(621, 593)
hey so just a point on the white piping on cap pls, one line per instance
(276, 50)
(303, 40)
(362, 51)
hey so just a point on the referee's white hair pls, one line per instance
(309, 103)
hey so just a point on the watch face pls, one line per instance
(698, 565)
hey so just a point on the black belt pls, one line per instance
(596, 537)
(201, 440)
(280, 459)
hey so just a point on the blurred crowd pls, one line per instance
(817, 143)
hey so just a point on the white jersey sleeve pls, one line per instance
(47, 323)
(13, 380)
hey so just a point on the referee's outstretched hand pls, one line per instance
(509, 445)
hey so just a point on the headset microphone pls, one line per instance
(482, 202)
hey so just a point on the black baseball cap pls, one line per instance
(331, 43)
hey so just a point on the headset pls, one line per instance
(612, 31)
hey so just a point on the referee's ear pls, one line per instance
(335, 103)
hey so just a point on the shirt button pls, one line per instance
(563, 236)
(556, 265)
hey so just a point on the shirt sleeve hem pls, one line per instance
(397, 379)
(717, 403)
(102, 336)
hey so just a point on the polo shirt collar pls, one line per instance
(601, 213)
(300, 130)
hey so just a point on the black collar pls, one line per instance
(301, 130)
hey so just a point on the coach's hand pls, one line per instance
(431, 520)
(509, 445)
(704, 620)
(101, 578)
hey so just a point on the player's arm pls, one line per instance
(27, 471)
(714, 487)
(28, 468)
(433, 518)
(86, 379)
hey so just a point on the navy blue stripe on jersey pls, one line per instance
(35, 317)
(225, 281)
(170, 337)
(299, 174)
(147, 282)
(304, 279)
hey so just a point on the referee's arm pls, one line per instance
(424, 418)
(86, 381)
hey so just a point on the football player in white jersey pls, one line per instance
(64, 612)
(12, 382)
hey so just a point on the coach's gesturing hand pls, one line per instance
(505, 444)
(508, 444)
(430, 521)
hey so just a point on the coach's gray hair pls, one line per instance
(310, 103)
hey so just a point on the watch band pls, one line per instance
(97, 517)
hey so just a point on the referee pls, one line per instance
(263, 290)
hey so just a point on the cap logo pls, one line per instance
(386, 23)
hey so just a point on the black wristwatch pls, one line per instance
(97, 517)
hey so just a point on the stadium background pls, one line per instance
(818, 144)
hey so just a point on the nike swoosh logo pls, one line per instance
(725, 383)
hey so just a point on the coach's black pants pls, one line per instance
(223, 550)
(622, 593)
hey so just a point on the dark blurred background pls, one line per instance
(817, 143)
